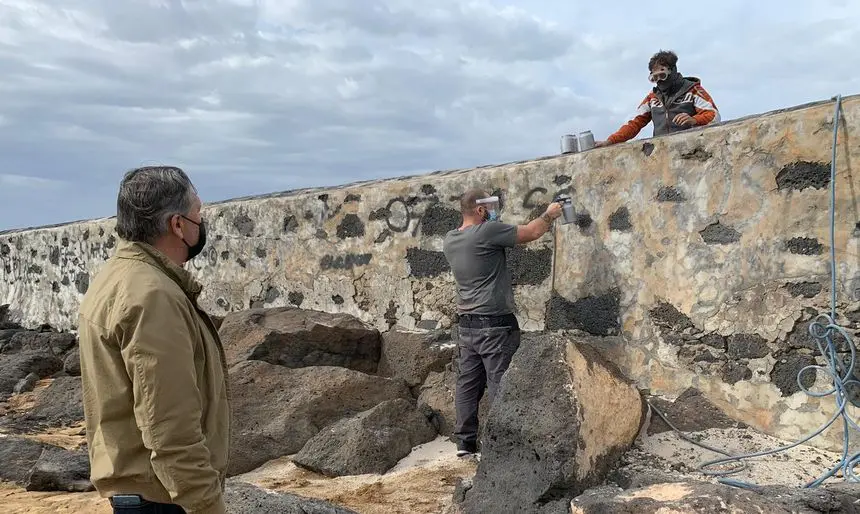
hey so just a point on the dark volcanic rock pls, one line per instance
(747, 346)
(667, 317)
(552, 431)
(414, 355)
(26, 384)
(18, 456)
(276, 410)
(60, 404)
(59, 469)
(436, 398)
(15, 366)
(56, 343)
(297, 338)
(735, 371)
(72, 363)
(786, 370)
(804, 289)
(690, 412)
(243, 498)
(717, 233)
(6, 337)
(370, 442)
(703, 497)
(597, 315)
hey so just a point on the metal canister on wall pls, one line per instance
(585, 141)
(569, 144)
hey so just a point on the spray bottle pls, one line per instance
(566, 208)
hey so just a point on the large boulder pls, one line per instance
(436, 396)
(72, 363)
(298, 338)
(58, 469)
(562, 419)
(413, 355)
(244, 498)
(276, 410)
(59, 404)
(705, 497)
(18, 455)
(56, 343)
(17, 365)
(370, 442)
(43, 467)
(6, 337)
(26, 384)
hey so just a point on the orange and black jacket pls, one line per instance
(691, 98)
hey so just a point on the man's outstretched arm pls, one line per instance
(538, 226)
(630, 129)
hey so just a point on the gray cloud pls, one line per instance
(253, 96)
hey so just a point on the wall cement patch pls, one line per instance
(373, 250)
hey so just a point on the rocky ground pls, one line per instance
(422, 483)
(335, 417)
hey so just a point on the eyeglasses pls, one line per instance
(656, 76)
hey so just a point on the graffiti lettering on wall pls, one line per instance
(397, 215)
(400, 213)
(528, 203)
(541, 192)
(346, 261)
(207, 258)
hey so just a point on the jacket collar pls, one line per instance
(684, 84)
(139, 251)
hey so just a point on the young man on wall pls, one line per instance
(674, 104)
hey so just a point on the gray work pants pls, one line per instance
(483, 357)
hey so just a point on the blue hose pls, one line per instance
(822, 329)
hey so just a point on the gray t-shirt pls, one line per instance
(477, 258)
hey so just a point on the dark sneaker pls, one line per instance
(466, 448)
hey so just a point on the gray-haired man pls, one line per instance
(489, 332)
(152, 366)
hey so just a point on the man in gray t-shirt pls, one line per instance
(489, 332)
(477, 257)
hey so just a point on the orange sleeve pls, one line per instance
(631, 128)
(706, 109)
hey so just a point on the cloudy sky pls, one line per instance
(255, 96)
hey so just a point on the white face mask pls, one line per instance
(491, 203)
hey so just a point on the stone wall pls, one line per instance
(699, 256)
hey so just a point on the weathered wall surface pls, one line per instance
(703, 255)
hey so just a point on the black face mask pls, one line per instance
(669, 83)
(194, 251)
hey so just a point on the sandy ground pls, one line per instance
(421, 483)
(71, 438)
(424, 481)
(24, 401)
(15, 500)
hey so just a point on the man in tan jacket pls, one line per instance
(153, 369)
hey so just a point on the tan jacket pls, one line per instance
(154, 384)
